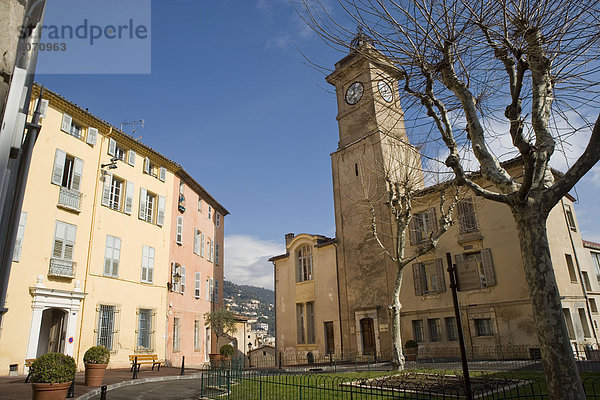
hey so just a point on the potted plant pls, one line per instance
(222, 323)
(412, 349)
(226, 351)
(96, 359)
(51, 376)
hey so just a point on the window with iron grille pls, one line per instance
(176, 334)
(451, 329)
(483, 327)
(145, 329)
(106, 326)
(435, 330)
(467, 222)
(417, 326)
(197, 333)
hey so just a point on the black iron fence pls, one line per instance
(485, 358)
(269, 385)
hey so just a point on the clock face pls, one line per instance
(385, 91)
(354, 93)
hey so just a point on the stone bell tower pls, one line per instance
(372, 145)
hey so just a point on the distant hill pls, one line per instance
(243, 294)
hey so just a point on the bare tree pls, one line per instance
(528, 66)
(400, 203)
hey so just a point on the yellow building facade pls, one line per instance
(355, 282)
(92, 256)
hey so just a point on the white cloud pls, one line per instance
(246, 260)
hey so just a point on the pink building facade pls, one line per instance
(196, 282)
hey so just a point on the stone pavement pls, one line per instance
(14, 388)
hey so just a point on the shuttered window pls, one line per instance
(64, 241)
(67, 170)
(422, 225)
(176, 342)
(128, 208)
(175, 276)
(179, 234)
(112, 255)
(485, 264)
(217, 253)
(116, 193)
(197, 337)
(201, 244)
(149, 207)
(197, 241)
(429, 277)
(147, 264)
(197, 285)
(20, 235)
(183, 279)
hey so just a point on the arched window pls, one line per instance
(304, 264)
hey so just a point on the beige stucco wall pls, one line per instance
(28, 297)
(322, 290)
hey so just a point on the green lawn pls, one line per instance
(332, 387)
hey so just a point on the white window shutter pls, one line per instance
(217, 253)
(20, 234)
(43, 108)
(160, 220)
(208, 289)
(131, 158)
(162, 174)
(66, 123)
(179, 235)
(182, 279)
(143, 195)
(201, 244)
(108, 254)
(106, 189)
(59, 166)
(77, 172)
(144, 263)
(92, 136)
(116, 257)
(196, 240)
(150, 264)
(147, 165)
(112, 147)
(129, 198)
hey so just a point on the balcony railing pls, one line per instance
(62, 268)
(70, 199)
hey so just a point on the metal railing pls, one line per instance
(62, 268)
(70, 199)
(222, 384)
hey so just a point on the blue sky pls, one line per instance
(231, 98)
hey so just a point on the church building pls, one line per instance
(333, 294)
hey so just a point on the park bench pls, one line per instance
(145, 359)
(28, 363)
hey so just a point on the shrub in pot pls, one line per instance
(227, 351)
(96, 359)
(51, 376)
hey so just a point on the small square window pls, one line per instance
(483, 327)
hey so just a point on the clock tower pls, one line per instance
(372, 146)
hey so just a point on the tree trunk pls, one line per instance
(398, 356)
(562, 376)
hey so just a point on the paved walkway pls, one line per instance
(14, 387)
(180, 389)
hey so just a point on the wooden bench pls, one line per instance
(28, 363)
(145, 359)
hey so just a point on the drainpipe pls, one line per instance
(583, 289)
(90, 241)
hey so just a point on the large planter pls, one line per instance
(50, 391)
(94, 374)
(411, 353)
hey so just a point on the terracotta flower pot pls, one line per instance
(94, 373)
(50, 391)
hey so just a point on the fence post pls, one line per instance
(228, 382)
(202, 384)
(279, 360)
(103, 392)
(260, 389)
(135, 368)
(71, 392)
(182, 366)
